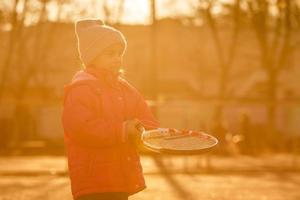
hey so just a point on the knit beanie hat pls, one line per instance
(93, 37)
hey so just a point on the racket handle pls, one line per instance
(140, 127)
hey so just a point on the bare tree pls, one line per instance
(153, 61)
(17, 24)
(224, 60)
(28, 48)
(120, 12)
(275, 52)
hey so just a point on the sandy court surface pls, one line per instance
(266, 186)
(183, 182)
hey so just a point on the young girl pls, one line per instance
(100, 116)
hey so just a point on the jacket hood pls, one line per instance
(82, 76)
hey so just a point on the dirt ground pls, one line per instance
(275, 177)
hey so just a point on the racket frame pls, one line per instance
(177, 151)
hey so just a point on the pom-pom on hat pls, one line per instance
(93, 36)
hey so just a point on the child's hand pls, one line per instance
(133, 130)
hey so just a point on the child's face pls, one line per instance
(111, 58)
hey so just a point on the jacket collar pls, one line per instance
(108, 76)
(82, 76)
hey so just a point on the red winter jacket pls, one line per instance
(100, 159)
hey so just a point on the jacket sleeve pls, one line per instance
(144, 113)
(83, 124)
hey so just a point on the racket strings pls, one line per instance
(162, 139)
(186, 143)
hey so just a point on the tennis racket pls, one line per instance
(166, 140)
